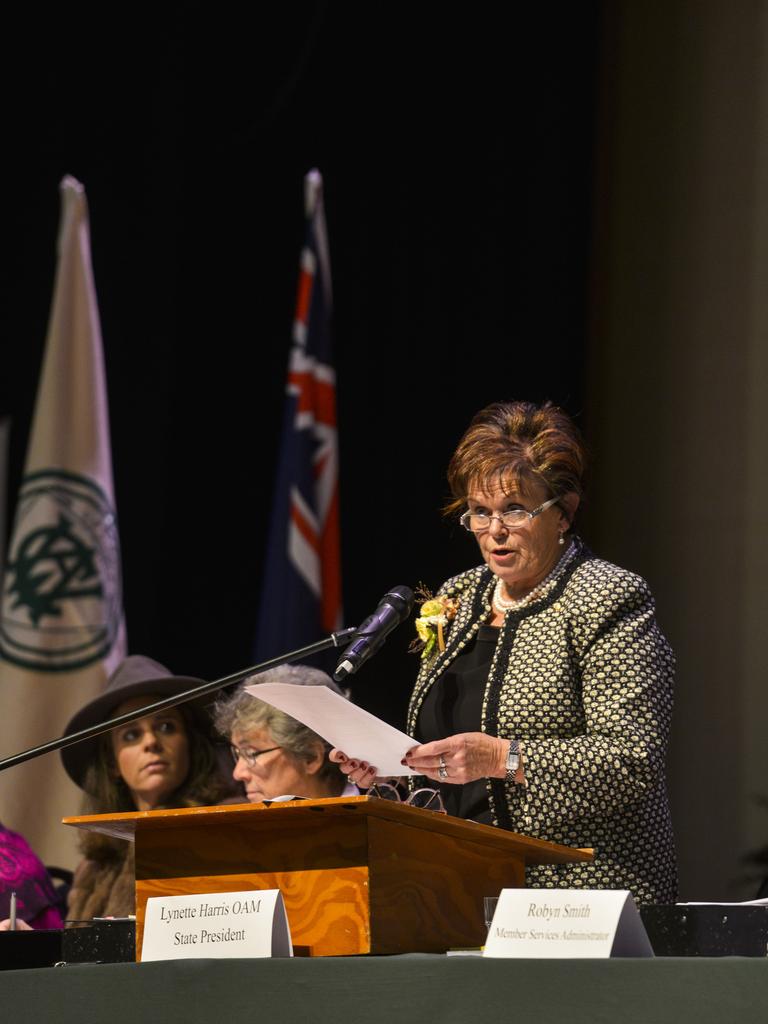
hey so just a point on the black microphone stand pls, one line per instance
(334, 640)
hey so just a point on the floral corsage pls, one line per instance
(435, 614)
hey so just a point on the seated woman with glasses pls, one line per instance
(275, 756)
(544, 698)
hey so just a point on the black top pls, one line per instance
(453, 705)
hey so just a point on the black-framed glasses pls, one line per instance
(512, 519)
(249, 756)
(427, 799)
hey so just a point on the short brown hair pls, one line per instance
(518, 443)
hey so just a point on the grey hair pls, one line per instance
(242, 711)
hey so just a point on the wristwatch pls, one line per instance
(513, 760)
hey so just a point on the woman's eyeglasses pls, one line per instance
(512, 519)
(249, 756)
(427, 799)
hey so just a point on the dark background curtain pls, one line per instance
(457, 161)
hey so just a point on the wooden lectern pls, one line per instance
(358, 875)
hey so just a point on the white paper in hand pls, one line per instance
(349, 728)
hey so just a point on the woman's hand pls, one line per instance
(465, 757)
(357, 771)
(21, 926)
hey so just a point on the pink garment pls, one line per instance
(22, 872)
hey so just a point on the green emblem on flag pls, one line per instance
(62, 601)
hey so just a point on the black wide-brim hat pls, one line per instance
(136, 676)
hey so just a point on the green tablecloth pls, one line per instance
(393, 989)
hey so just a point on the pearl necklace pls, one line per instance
(506, 604)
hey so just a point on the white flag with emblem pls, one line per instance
(61, 619)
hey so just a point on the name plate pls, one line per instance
(566, 923)
(216, 925)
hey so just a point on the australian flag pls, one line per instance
(301, 594)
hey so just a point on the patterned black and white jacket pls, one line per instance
(583, 678)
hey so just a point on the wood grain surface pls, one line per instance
(357, 875)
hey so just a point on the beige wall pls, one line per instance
(677, 392)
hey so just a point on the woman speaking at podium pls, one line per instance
(544, 698)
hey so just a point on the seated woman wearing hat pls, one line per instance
(162, 760)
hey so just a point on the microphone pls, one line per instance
(393, 609)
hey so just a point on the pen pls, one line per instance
(13, 912)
